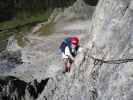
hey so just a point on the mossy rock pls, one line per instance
(21, 40)
(46, 30)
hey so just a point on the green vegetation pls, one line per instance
(19, 26)
(10, 8)
(21, 39)
(46, 29)
(23, 18)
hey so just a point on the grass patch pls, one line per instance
(46, 29)
(23, 18)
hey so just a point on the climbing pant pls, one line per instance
(67, 64)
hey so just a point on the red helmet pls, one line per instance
(74, 40)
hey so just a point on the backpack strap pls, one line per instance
(76, 49)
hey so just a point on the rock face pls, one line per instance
(113, 39)
(9, 60)
(78, 11)
(103, 71)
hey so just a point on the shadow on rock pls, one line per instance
(9, 60)
(12, 88)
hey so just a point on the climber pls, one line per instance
(69, 48)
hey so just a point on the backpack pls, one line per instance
(66, 42)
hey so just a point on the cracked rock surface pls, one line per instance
(112, 39)
(104, 68)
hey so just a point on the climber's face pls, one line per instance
(73, 46)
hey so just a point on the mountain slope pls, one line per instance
(105, 68)
(102, 71)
